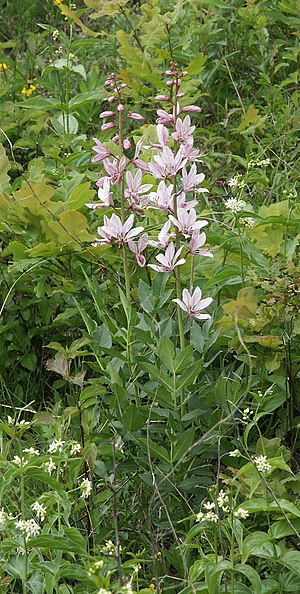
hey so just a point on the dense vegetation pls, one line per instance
(150, 282)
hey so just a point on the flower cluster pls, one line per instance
(175, 185)
(39, 510)
(109, 548)
(28, 527)
(86, 488)
(27, 91)
(3, 66)
(236, 182)
(235, 204)
(259, 162)
(262, 463)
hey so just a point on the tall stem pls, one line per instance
(22, 486)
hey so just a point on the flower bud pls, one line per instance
(107, 126)
(162, 98)
(184, 73)
(116, 139)
(111, 99)
(191, 108)
(123, 85)
(120, 107)
(126, 144)
(179, 95)
(107, 114)
(134, 116)
(170, 83)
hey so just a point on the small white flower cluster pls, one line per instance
(4, 518)
(249, 222)
(49, 466)
(235, 204)
(241, 513)
(75, 448)
(235, 454)
(259, 162)
(209, 516)
(31, 452)
(39, 510)
(18, 424)
(55, 34)
(56, 446)
(86, 488)
(19, 461)
(223, 500)
(262, 463)
(28, 527)
(109, 548)
(127, 589)
(247, 413)
(236, 182)
(103, 591)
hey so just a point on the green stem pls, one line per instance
(241, 253)
(232, 556)
(22, 487)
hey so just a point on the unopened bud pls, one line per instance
(134, 116)
(169, 72)
(116, 139)
(107, 126)
(162, 98)
(120, 107)
(123, 85)
(126, 144)
(179, 95)
(111, 99)
(184, 73)
(170, 83)
(191, 108)
(107, 114)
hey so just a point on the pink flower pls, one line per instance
(126, 144)
(113, 228)
(163, 237)
(167, 164)
(168, 260)
(196, 243)
(138, 248)
(192, 179)
(115, 169)
(191, 154)
(162, 134)
(164, 117)
(104, 195)
(193, 304)
(186, 204)
(163, 198)
(138, 162)
(184, 130)
(186, 221)
(135, 186)
(102, 152)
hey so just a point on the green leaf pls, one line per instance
(283, 528)
(252, 576)
(189, 376)
(146, 297)
(154, 450)
(40, 102)
(158, 374)
(167, 353)
(132, 418)
(183, 442)
(214, 573)
(252, 542)
(60, 543)
(84, 98)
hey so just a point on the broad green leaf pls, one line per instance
(183, 442)
(133, 419)
(154, 450)
(252, 542)
(251, 575)
(167, 353)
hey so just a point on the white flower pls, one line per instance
(222, 500)
(39, 509)
(211, 517)
(235, 454)
(241, 513)
(86, 488)
(19, 461)
(31, 451)
(103, 591)
(235, 205)
(49, 466)
(262, 464)
(209, 505)
(3, 518)
(109, 548)
(247, 414)
(56, 446)
(249, 222)
(28, 527)
(75, 448)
